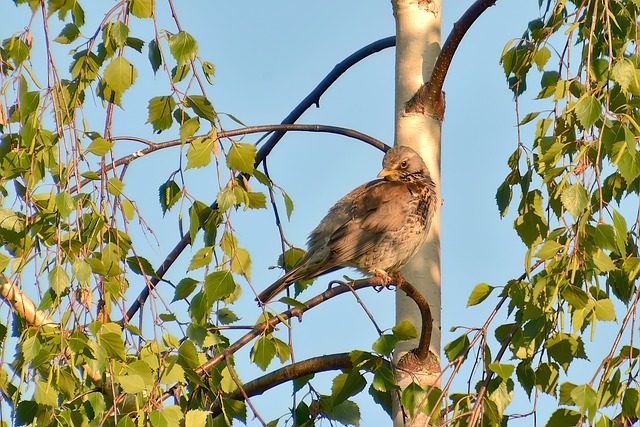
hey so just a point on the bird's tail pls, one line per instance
(278, 286)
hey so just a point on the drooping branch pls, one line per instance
(429, 99)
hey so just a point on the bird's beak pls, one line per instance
(387, 172)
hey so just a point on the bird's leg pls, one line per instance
(383, 275)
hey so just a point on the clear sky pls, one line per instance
(268, 56)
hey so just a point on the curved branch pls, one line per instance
(330, 362)
(151, 147)
(312, 98)
(422, 351)
(429, 98)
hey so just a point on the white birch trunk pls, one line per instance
(418, 43)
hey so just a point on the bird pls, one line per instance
(376, 228)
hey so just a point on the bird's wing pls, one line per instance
(381, 207)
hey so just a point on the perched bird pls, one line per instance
(377, 228)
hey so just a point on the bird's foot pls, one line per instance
(388, 280)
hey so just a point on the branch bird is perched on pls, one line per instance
(377, 228)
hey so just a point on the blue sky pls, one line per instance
(268, 56)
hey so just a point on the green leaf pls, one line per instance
(180, 72)
(185, 287)
(9, 220)
(199, 153)
(201, 106)
(199, 308)
(201, 258)
(189, 128)
(288, 204)
(69, 33)
(4, 262)
(346, 413)
(209, 71)
(347, 385)
(385, 344)
(183, 47)
(242, 157)
(141, 265)
(529, 117)
(141, 8)
(119, 75)
(169, 193)
(99, 146)
(457, 347)
(564, 348)
(227, 317)
(128, 209)
(563, 417)
(119, 33)
(196, 418)
(549, 249)
(65, 204)
(219, 285)
(26, 412)
(546, 377)
(160, 108)
(165, 417)
(226, 199)
(542, 57)
(257, 200)
(405, 331)
(115, 186)
(630, 403)
(575, 199)
(603, 262)
(585, 397)
(479, 294)
(58, 279)
(263, 352)
(588, 110)
(412, 396)
(504, 370)
(623, 73)
(605, 310)
(620, 226)
(155, 58)
(112, 344)
(383, 380)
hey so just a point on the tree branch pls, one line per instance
(261, 328)
(429, 99)
(152, 147)
(22, 304)
(330, 362)
(422, 351)
(312, 98)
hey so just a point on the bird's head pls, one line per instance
(402, 163)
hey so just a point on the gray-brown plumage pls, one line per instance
(377, 228)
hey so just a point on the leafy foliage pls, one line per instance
(68, 220)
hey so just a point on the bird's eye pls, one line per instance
(403, 164)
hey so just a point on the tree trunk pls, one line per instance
(418, 43)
